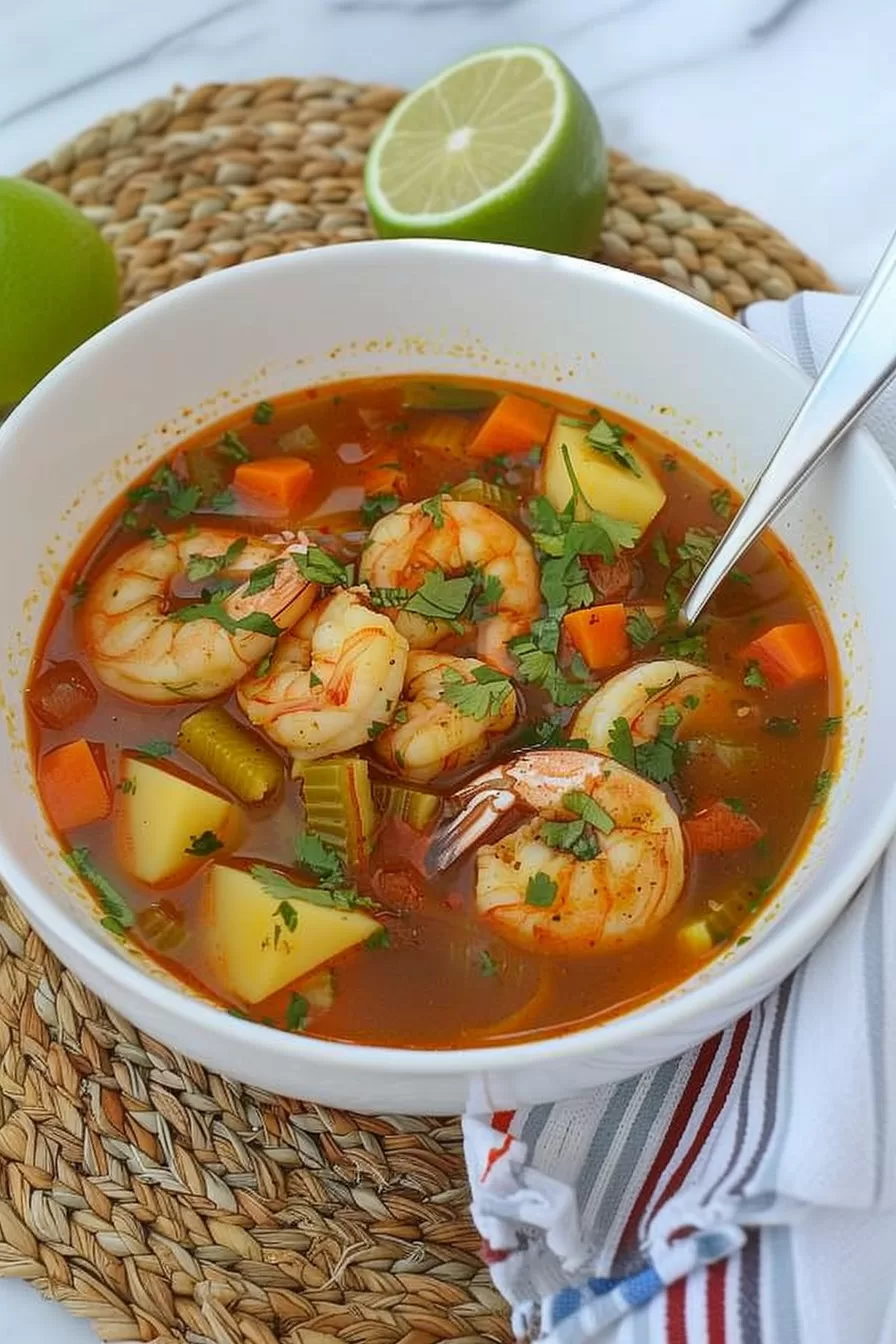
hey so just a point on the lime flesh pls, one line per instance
(503, 147)
(58, 283)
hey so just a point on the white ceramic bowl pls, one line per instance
(450, 308)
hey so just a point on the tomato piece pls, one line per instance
(62, 695)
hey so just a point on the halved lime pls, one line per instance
(502, 147)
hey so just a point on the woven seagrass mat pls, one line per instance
(162, 1201)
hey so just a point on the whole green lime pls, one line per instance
(503, 147)
(58, 283)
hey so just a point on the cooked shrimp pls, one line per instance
(331, 681)
(405, 545)
(139, 646)
(641, 693)
(542, 898)
(429, 735)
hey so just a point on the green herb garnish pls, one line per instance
(203, 844)
(433, 509)
(258, 622)
(201, 567)
(822, 787)
(607, 438)
(155, 747)
(232, 446)
(322, 859)
(753, 677)
(487, 964)
(720, 503)
(296, 1012)
(640, 628)
(379, 939)
(541, 890)
(375, 507)
(481, 698)
(118, 914)
(318, 566)
(828, 727)
(263, 413)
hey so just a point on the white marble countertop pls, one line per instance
(787, 107)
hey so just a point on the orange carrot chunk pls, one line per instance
(276, 484)
(74, 784)
(385, 481)
(514, 426)
(600, 635)
(789, 653)
(721, 829)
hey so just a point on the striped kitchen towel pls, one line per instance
(744, 1193)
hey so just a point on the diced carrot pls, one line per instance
(720, 829)
(788, 653)
(385, 481)
(277, 484)
(600, 635)
(74, 784)
(513, 426)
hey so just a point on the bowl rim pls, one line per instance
(768, 961)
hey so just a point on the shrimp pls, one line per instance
(407, 544)
(331, 681)
(641, 693)
(142, 648)
(430, 736)
(540, 896)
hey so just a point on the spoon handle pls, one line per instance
(857, 369)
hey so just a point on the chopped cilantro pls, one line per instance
(689, 647)
(127, 785)
(288, 914)
(486, 597)
(541, 890)
(282, 888)
(439, 598)
(314, 680)
(589, 809)
(481, 698)
(204, 566)
(263, 413)
(258, 622)
(608, 438)
(536, 658)
(433, 509)
(720, 502)
(262, 577)
(320, 858)
(690, 701)
(233, 447)
(487, 964)
(659, 759)
(296, 1012)
(204, 843)
(574, 837)
(753, 677)
(640, 628)
(822, 788)
(155, 747)
(167, 488)
(379, 939)
(375, 507)
(669, 463)
(622, 746)
(374, 730)
(222, 501)
(828, 727)
(318, 566)
(264, 666)
(736, 805)
(118, 914)
(661, 551)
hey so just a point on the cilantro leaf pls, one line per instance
(661, 551)
(753, 676)
(296, 1012)
(574, 837)
(536, 658)
(487, 964)
(318, 566)
(378, 939)
(155, 747)
(263, 413)
(320, 858)
(282, 888)
(201, 567)
(433, 509)
(607, 438)
(232, 446)
(589, 809)
(622, 747)
(258, 622)
(541, 890)
(489, 592)
(262, 577)
(657, 760)
(640, 628)
(822, 788)
(375, 507)
(720, 503)
(439, 598)
(119, 915)
(204, 843)
(828, 727)
(481, 698)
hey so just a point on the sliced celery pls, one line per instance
(339, 804)
(234, 755)
(473, 491)
(414, 806)
(446, 397)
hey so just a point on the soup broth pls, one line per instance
(256, 808)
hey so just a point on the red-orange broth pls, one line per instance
(753, 773)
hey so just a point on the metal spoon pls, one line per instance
(857, 369)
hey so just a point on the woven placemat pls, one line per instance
(158, 1199)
